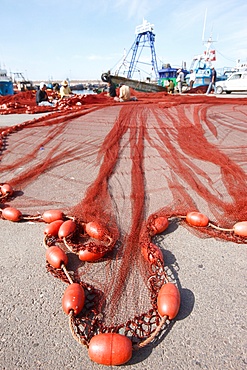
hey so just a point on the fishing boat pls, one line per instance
(134, 84)
(167, 73)
(6, 84)
(144, 38)
(202, 65)
(21, 83)
(78, 87)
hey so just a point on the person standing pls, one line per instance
(180, 80)
(192, 78)
(212, 81)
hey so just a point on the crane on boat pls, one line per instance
(144, 38)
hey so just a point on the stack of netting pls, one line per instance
(118, 174)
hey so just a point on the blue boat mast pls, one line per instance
(144, 35)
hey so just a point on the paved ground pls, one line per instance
(209, 333)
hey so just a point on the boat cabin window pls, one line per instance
(202, 81)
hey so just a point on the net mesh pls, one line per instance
(125, 165)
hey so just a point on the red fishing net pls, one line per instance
(125, 166)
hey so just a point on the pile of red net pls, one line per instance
(124, 165)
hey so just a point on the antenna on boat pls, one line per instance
(204, 25)
(209, 55)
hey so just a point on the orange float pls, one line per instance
(159, 225)
(240, 228)
(11, 214)
(6, 189)
(67, 228)
(52, 215)
(56, 257)
(96, 231)
(85, 255)
(73, 299)
(110, 349)
(53, 228)
(197, 219)
(168, 300)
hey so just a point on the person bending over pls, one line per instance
(42, 98)
(65, 91)
(170, 87)
(111, 90)
(124, 94)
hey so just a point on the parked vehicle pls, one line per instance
(237, 82)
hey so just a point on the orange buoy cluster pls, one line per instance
(107, 348)
(9, 213)
(104, 348)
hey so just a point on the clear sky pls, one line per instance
(80, 39)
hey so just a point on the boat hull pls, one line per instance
(6, 88)
(134, 84)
